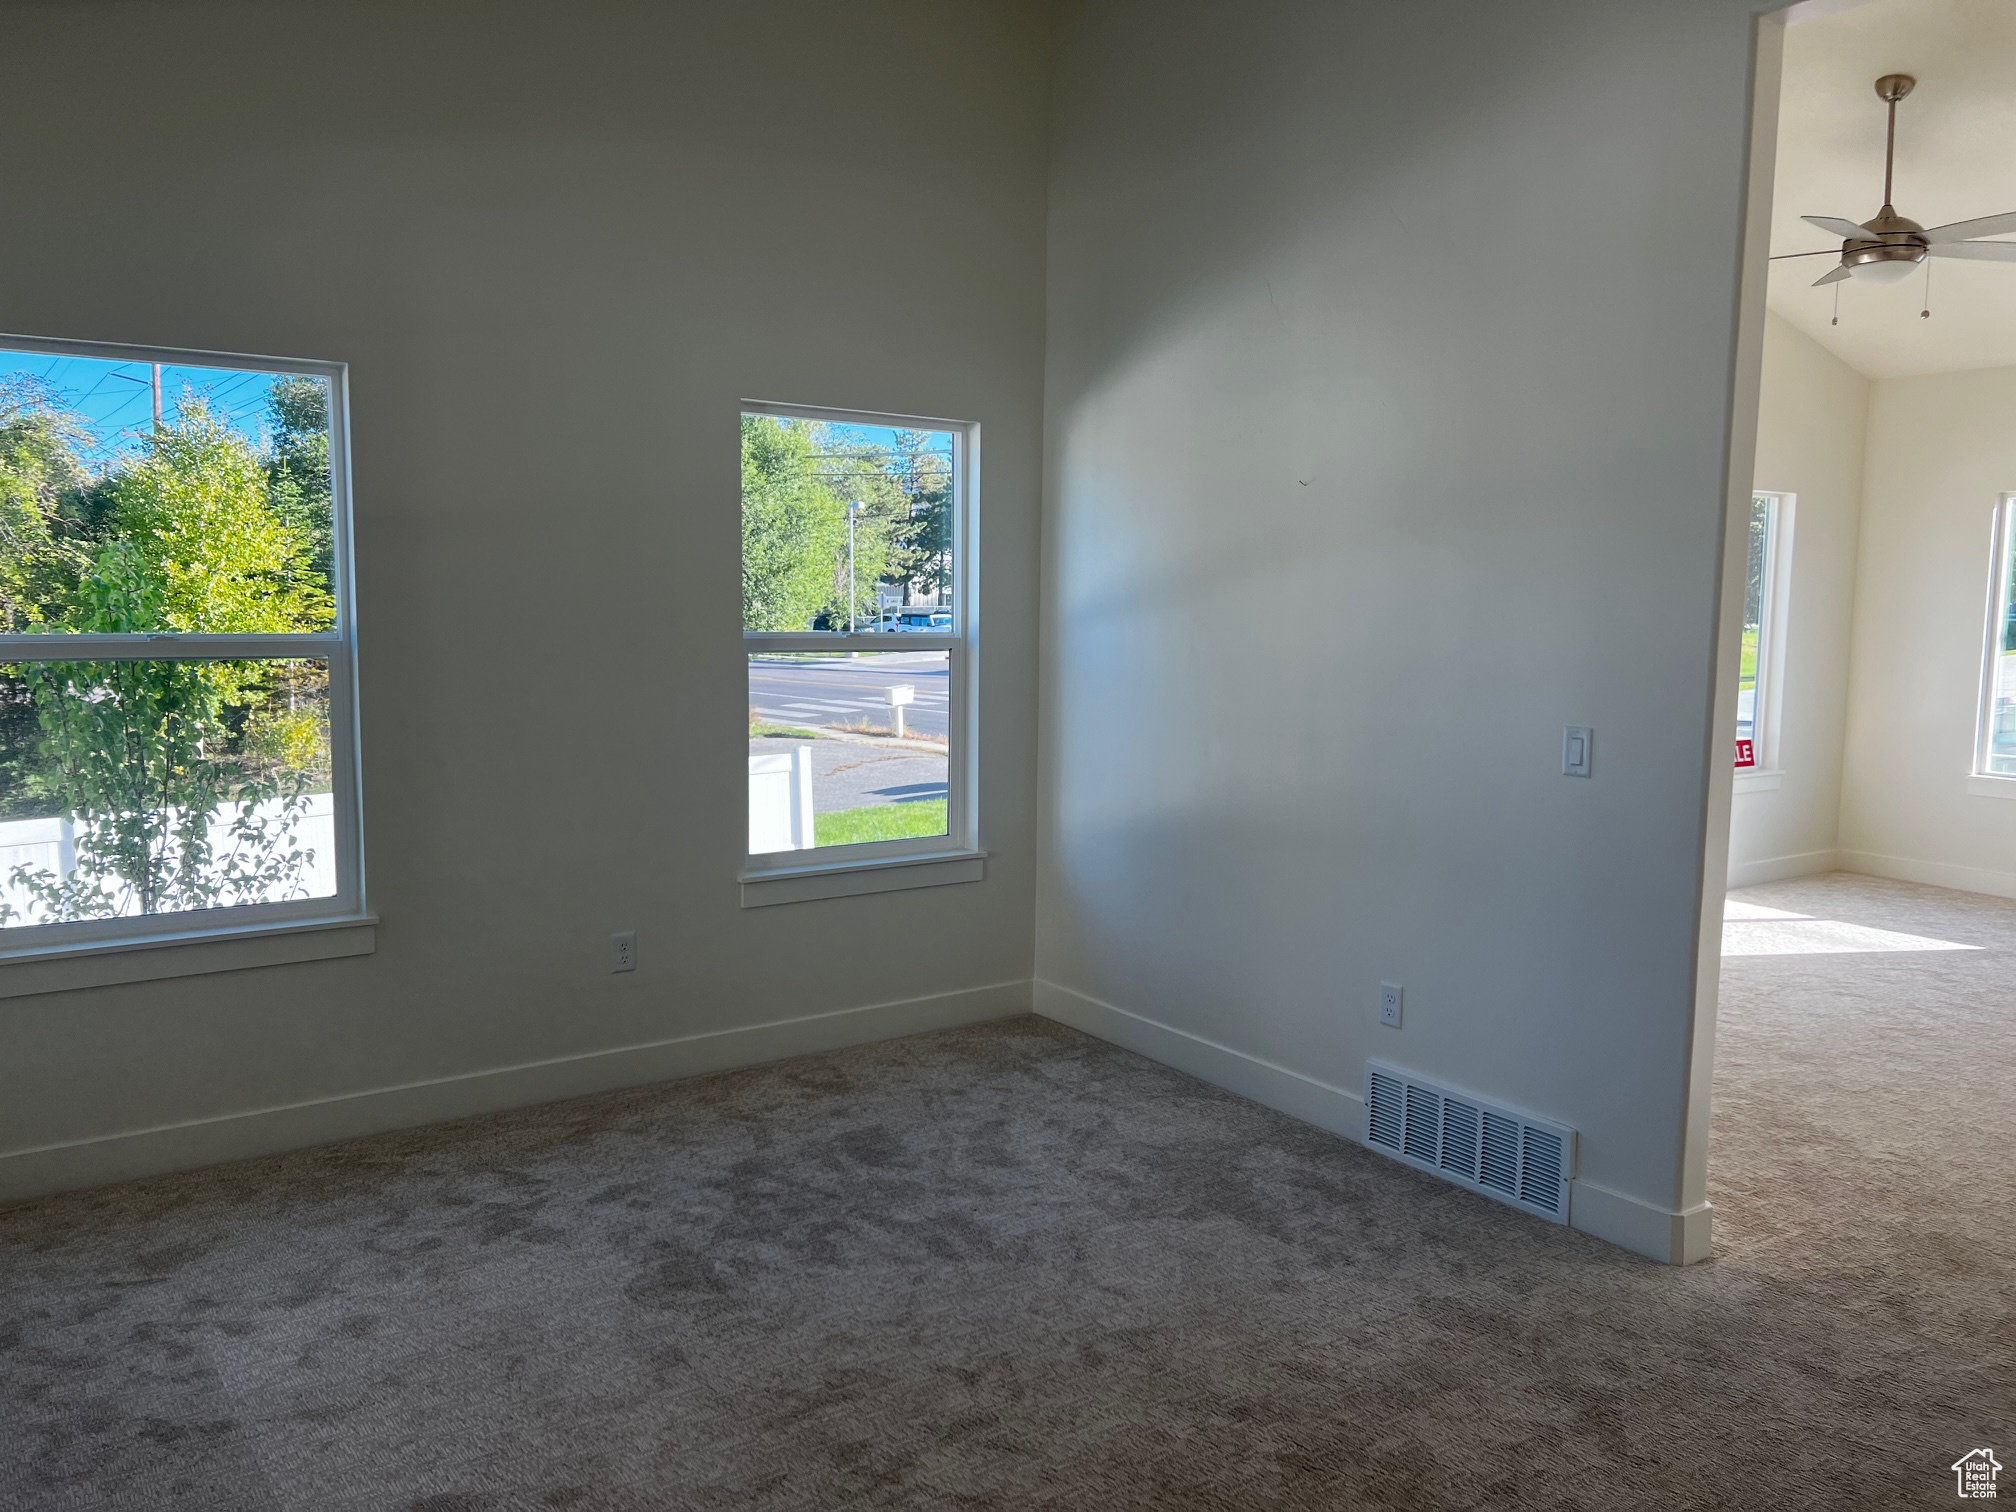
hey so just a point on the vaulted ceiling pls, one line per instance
(1956, 159)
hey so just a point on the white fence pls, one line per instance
(780, 802)
(50, 845)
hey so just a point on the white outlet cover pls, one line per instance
(1391, 998)
(623, 951)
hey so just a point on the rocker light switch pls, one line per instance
(1576, 744)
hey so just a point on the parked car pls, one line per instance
(918, 621)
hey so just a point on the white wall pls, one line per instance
(1809, 443)
(1942, 449)
(557, 243)
(1389, 398)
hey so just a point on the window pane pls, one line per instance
(2002, 726)
(212, 518)
(846, 749)
(1753, 616)
(151, 787)
(845, 526)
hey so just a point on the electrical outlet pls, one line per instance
(1389, 1004)
(623, 951)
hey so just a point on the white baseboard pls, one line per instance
(265, 1131)
(1337, 1109)
(1997, 884)
(1642, 1227)
(1778, 868)
(1628, 1222)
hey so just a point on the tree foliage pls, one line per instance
(800, 481)
(197, 532)
(39, 470)
(197, 509)
(794, 529)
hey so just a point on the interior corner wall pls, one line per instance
(1942, 451)
(1389, 406)
(557, 245)
(1810, 443)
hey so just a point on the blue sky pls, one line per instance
(116, 398)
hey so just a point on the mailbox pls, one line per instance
(900, 696)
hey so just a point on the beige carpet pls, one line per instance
(1013, 1267)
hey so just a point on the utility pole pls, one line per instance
(157, 396)
(853, 513)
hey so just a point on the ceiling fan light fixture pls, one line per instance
(1885, 265)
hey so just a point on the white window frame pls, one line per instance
(44, 957)
(888, 865)
(1983, 781)
(1773, 625)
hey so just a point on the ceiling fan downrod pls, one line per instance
(1890, 89)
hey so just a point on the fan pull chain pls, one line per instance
(1926, 313)
(1837, 303)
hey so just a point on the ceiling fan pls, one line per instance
(1885, 248)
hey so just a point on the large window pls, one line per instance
(1995, 750)
(857, 622)
(177, 731)
(1765, 586)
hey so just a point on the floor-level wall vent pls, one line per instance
(1512, 1156)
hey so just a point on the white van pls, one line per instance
(915, 619)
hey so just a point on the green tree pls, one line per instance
(921, 554)
(39, 469)
(297, 471)
(141, 753)
(144, 755)
(794, 528)
(195, 505)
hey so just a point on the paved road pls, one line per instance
(842, 692)
(861, 774)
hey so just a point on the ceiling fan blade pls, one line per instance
(1845, 229)
(1987, 225)
(1833, 275)
(1976, 251)
(1823, 252)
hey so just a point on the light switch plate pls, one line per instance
(1578, 749)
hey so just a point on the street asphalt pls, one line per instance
(842, 691)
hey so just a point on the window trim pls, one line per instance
(41, 945)
(834, 870)
(2001, 540)
(1774, 621)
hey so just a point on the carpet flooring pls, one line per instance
(1013, 1267)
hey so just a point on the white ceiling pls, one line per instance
(1956, 159)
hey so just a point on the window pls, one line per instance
(1995, 747)
(1766, 586)
(177, 709)
(857, 624)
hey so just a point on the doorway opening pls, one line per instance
(1868, 656)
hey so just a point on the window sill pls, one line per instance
(67, 968)
(1983, 786)
(1759, 780)
(842, 879)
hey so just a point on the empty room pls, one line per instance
(1235, 539)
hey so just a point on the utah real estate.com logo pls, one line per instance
(1975, 1471)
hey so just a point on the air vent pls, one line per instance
(1516, 1158)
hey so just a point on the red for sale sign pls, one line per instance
(1746, 753)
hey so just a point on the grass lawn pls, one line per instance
(757, 731)
(883, 821)
(1747, 676)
